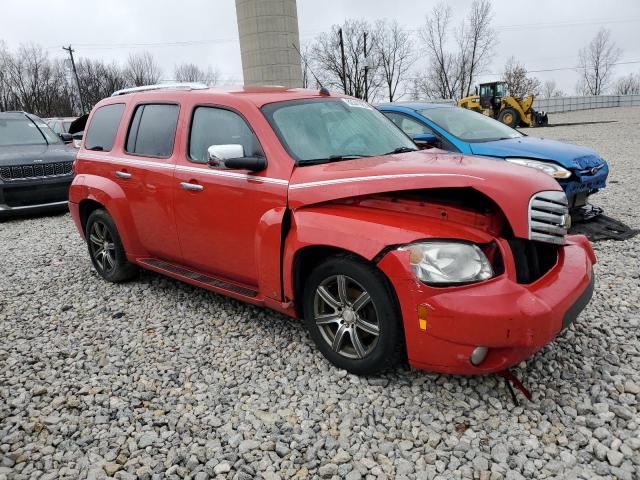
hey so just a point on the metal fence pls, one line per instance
(569, 104)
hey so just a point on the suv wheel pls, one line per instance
(105, 248)
(351, 313)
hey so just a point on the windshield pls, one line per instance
(469, 126)
(22, 131)
(320, 130)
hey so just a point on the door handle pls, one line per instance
(121, 174)
(193, 187)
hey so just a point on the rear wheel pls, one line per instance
(509, 117)
(106, 250)
(351, 313)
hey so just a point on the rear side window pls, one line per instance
(103, 128)
(153, 130)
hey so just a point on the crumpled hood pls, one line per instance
(566, 154)
(509, 186)
(36, 154)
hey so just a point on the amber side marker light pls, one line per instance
(422, 317)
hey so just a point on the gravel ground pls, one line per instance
(156, 379)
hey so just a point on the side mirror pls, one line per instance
(218, 154)
(426, 140)
(232, 156)
(65, 137)
(254, 164)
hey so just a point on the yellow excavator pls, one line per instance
(494, 102)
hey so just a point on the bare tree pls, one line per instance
(441, 80)
(5, 90)
(142, 69)
(628, 85)
(327, 58)
(306, 60)
(596, 62)
(550, 90)
(35, 83)
(98, 80)
(452, 73)
(518, 82)
(394, 50)
(190, 72)
(476, 41)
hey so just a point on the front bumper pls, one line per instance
(580, 186)
(34, 196)
(513, 320)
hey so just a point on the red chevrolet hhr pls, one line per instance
(315, 205)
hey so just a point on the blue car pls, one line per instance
(579, 170)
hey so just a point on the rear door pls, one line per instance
(145, 172)
(222, 215)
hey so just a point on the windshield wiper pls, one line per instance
(402, 150)
(329, 159)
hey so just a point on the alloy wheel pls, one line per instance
(346, 316)
(102, 246)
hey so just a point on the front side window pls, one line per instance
(103, 128)
(468, 125)
(217, 126)
(153, 130)
(408, 125)
(328, 129)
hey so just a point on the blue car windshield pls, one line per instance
(468, 125)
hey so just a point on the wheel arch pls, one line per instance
(305, 260)
(99, 192)
(86, 207)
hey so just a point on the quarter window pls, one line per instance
(153, 130)
(218, 126)
(103, 128)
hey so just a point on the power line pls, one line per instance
(631, 62)
(187, 43)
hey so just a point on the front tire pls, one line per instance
(106, 250)
(352, 315)
(509, 117)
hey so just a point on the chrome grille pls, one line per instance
(28, 172)
(549, 217)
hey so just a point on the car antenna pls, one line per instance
(323, 89)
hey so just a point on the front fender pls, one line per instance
(109, 194)
(365, 232)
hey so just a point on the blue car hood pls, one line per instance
(568, 155)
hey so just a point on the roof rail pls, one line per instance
(161, 86)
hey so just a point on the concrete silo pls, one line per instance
(267, 29)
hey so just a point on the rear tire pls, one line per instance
(352, 315)
(509, 117)
(106, 250)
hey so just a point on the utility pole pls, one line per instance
(344, 68)
(366, 70)
(75, 73)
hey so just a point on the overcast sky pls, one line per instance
(545, 34)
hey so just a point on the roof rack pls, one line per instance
(161, 86)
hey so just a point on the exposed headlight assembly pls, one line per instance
(449, 262)
(550, 168)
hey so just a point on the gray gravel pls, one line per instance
(156, 379)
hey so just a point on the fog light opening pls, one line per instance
(478, 355)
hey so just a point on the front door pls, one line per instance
(218, 211)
